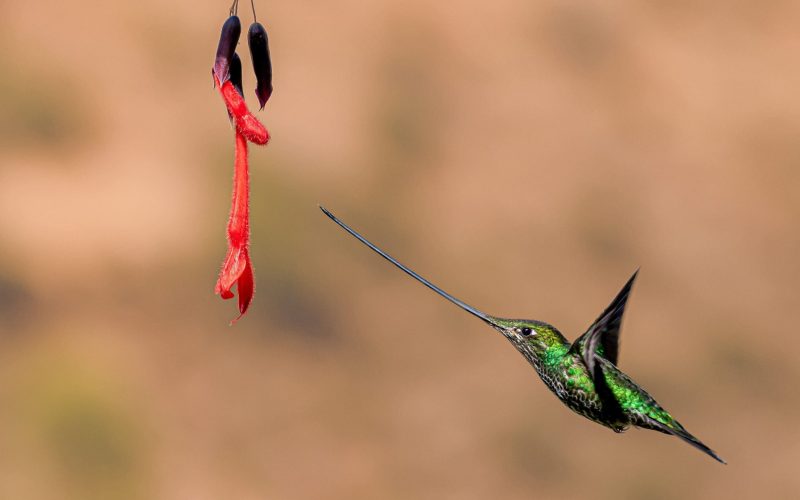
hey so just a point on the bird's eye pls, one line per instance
(526, 331)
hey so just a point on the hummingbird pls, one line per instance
(584, 374)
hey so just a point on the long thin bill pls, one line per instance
(408, 271)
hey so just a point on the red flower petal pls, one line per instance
(246, 286)
(236, 261)
(246, 123)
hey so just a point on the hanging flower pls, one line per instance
(227, 74)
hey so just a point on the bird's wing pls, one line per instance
(602, 338)
(601, 341)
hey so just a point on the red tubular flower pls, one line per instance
(237, 269)
(227, 73)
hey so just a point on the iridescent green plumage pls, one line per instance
(583, 375)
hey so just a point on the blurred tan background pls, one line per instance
(525, 155)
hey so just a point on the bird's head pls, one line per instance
(528, 335)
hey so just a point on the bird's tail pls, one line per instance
(675, 429)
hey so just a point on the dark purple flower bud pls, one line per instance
(259, 53)
(226, 48)
(236, 73)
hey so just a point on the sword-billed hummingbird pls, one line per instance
(584, 374)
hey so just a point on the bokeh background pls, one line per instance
(526, 155)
